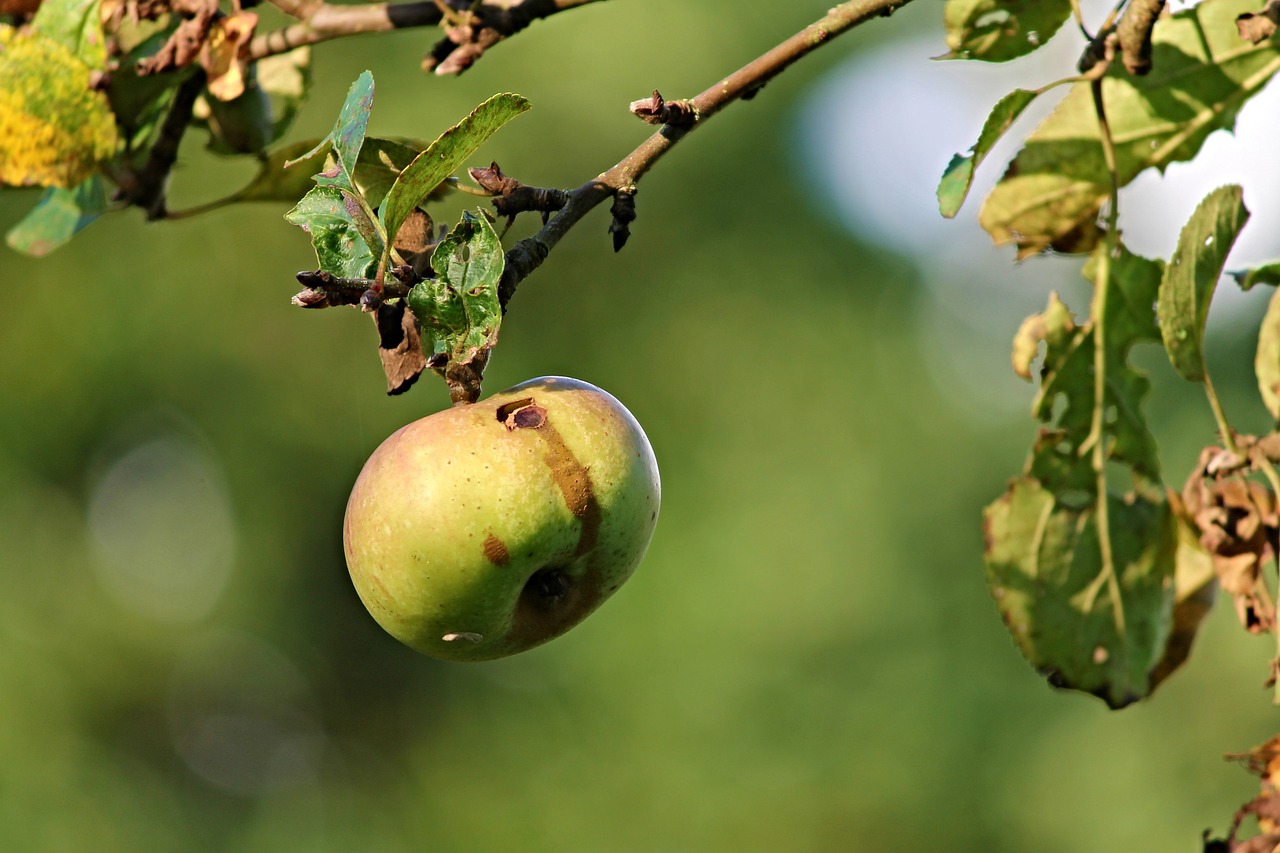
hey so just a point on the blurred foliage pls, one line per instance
(807, 660)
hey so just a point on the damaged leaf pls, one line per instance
(1094, 615)
(459, 312)
(399, 346)
(1000, 30)
(1052, 192)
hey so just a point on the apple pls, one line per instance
(487, 529)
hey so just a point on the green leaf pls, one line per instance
(446, 155)
(58, 216)
(242, 125)
(958, 177)
(75, 25)
(1192, 276)
(1267, 361)
(1067, 390)
(1052, 192)
(1087, 627)
(380, 163)
(326, 214)
(276, 183)
(999, 30)
(1093, 622)
(347, 135)
(1268, 273)
(459, 311)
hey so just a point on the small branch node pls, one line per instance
(624, 213)
(656, 110)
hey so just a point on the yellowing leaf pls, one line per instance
(220, 56)
(54, 128)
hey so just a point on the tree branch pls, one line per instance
(528, 254)
(490, 22)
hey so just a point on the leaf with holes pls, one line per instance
(1052, 192)
(999, 30)
(459, 311)
(1192, 276)
(1092, 613)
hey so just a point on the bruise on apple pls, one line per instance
(553, 600)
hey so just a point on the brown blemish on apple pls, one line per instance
(551, 603)
(495, 551)
(575, 487)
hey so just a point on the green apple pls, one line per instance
(487, 529)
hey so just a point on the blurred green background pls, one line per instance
(808, 659)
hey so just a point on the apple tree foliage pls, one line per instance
(1100, 568)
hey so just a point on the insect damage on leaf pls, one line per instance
(1084, 579)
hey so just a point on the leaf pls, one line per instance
(459, 311)
(347, 135)
(445, 155)
(325, 214)
(399, 346)
(1035, 330)
(1085, 627)
(1266, 363)
(54, 127)
(1000, 30)
(76, 25)
(286, 78)
(1052, 192)
(1192, 276)
(274, 182)
(1093, 624)
(241, 125)
(58, 216)
(1067, 381)
(221, 55)
(381, 161)
(1268, 273)
(958, 177)
(1195, 587)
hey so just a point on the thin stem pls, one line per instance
(1102, 289)
(527, 255)
(1220, 415)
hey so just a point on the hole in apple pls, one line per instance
(522, 414)
(546, 588)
